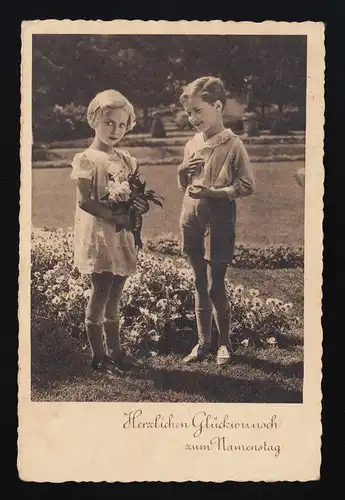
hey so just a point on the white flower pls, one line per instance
(271, 341)
(257, 302)
(239, 289)
(254, 292)
(162, 303)
(274, 302)
(87, 294)
(56, 301)
(144, 311)
(180, 262)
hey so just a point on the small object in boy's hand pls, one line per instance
(195, 189)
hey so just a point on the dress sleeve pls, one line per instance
(241, 173)
(82, 167)
(130, 160)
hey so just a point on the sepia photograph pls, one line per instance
(171, 208)
(167, 252)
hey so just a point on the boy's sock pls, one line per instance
(223, 323)
(204, 325)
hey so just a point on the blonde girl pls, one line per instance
(215, 171)
(107, 255)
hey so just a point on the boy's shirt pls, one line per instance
(227, 164)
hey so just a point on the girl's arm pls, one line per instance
(83, 171)
(91, 206)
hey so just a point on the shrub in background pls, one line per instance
(245, 256)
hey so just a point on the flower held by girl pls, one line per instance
(120, 198)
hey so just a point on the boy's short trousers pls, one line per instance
(208, 229)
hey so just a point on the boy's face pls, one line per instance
(112, 126)
(202, 115)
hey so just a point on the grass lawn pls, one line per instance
(255, 376)
(60, 367)
(273, 214)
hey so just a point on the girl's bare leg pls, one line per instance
(112, 317)
(100, 289)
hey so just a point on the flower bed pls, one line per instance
(157, 303)
(245, 256)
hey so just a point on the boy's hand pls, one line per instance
(192, 166)
(198, 191)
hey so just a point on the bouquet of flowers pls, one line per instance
(120, 197)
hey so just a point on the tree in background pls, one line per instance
(151, 70)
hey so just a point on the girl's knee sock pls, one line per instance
(94, 333)
(204, 325)
(222, 319)
(112, 335)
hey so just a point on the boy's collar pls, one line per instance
(217, 139)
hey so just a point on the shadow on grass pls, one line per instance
(222, 387)
(290, 370)
(247, 380)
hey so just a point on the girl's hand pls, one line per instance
(198, 191)
(142, 206)
(122, 221)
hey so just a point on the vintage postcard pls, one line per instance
(170, 294)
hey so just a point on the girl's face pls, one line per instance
(112, 126)
(202, 115)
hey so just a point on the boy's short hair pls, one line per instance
(209, 88)
(109, 99)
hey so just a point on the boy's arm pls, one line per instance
(182, 179)
(242, 175)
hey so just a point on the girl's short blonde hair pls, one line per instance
(209, 88)
(109, 99)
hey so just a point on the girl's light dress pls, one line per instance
(97, 245)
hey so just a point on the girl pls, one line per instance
(215, 171)
(109, 256)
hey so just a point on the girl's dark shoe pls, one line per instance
(106, 365)
(125, 360)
